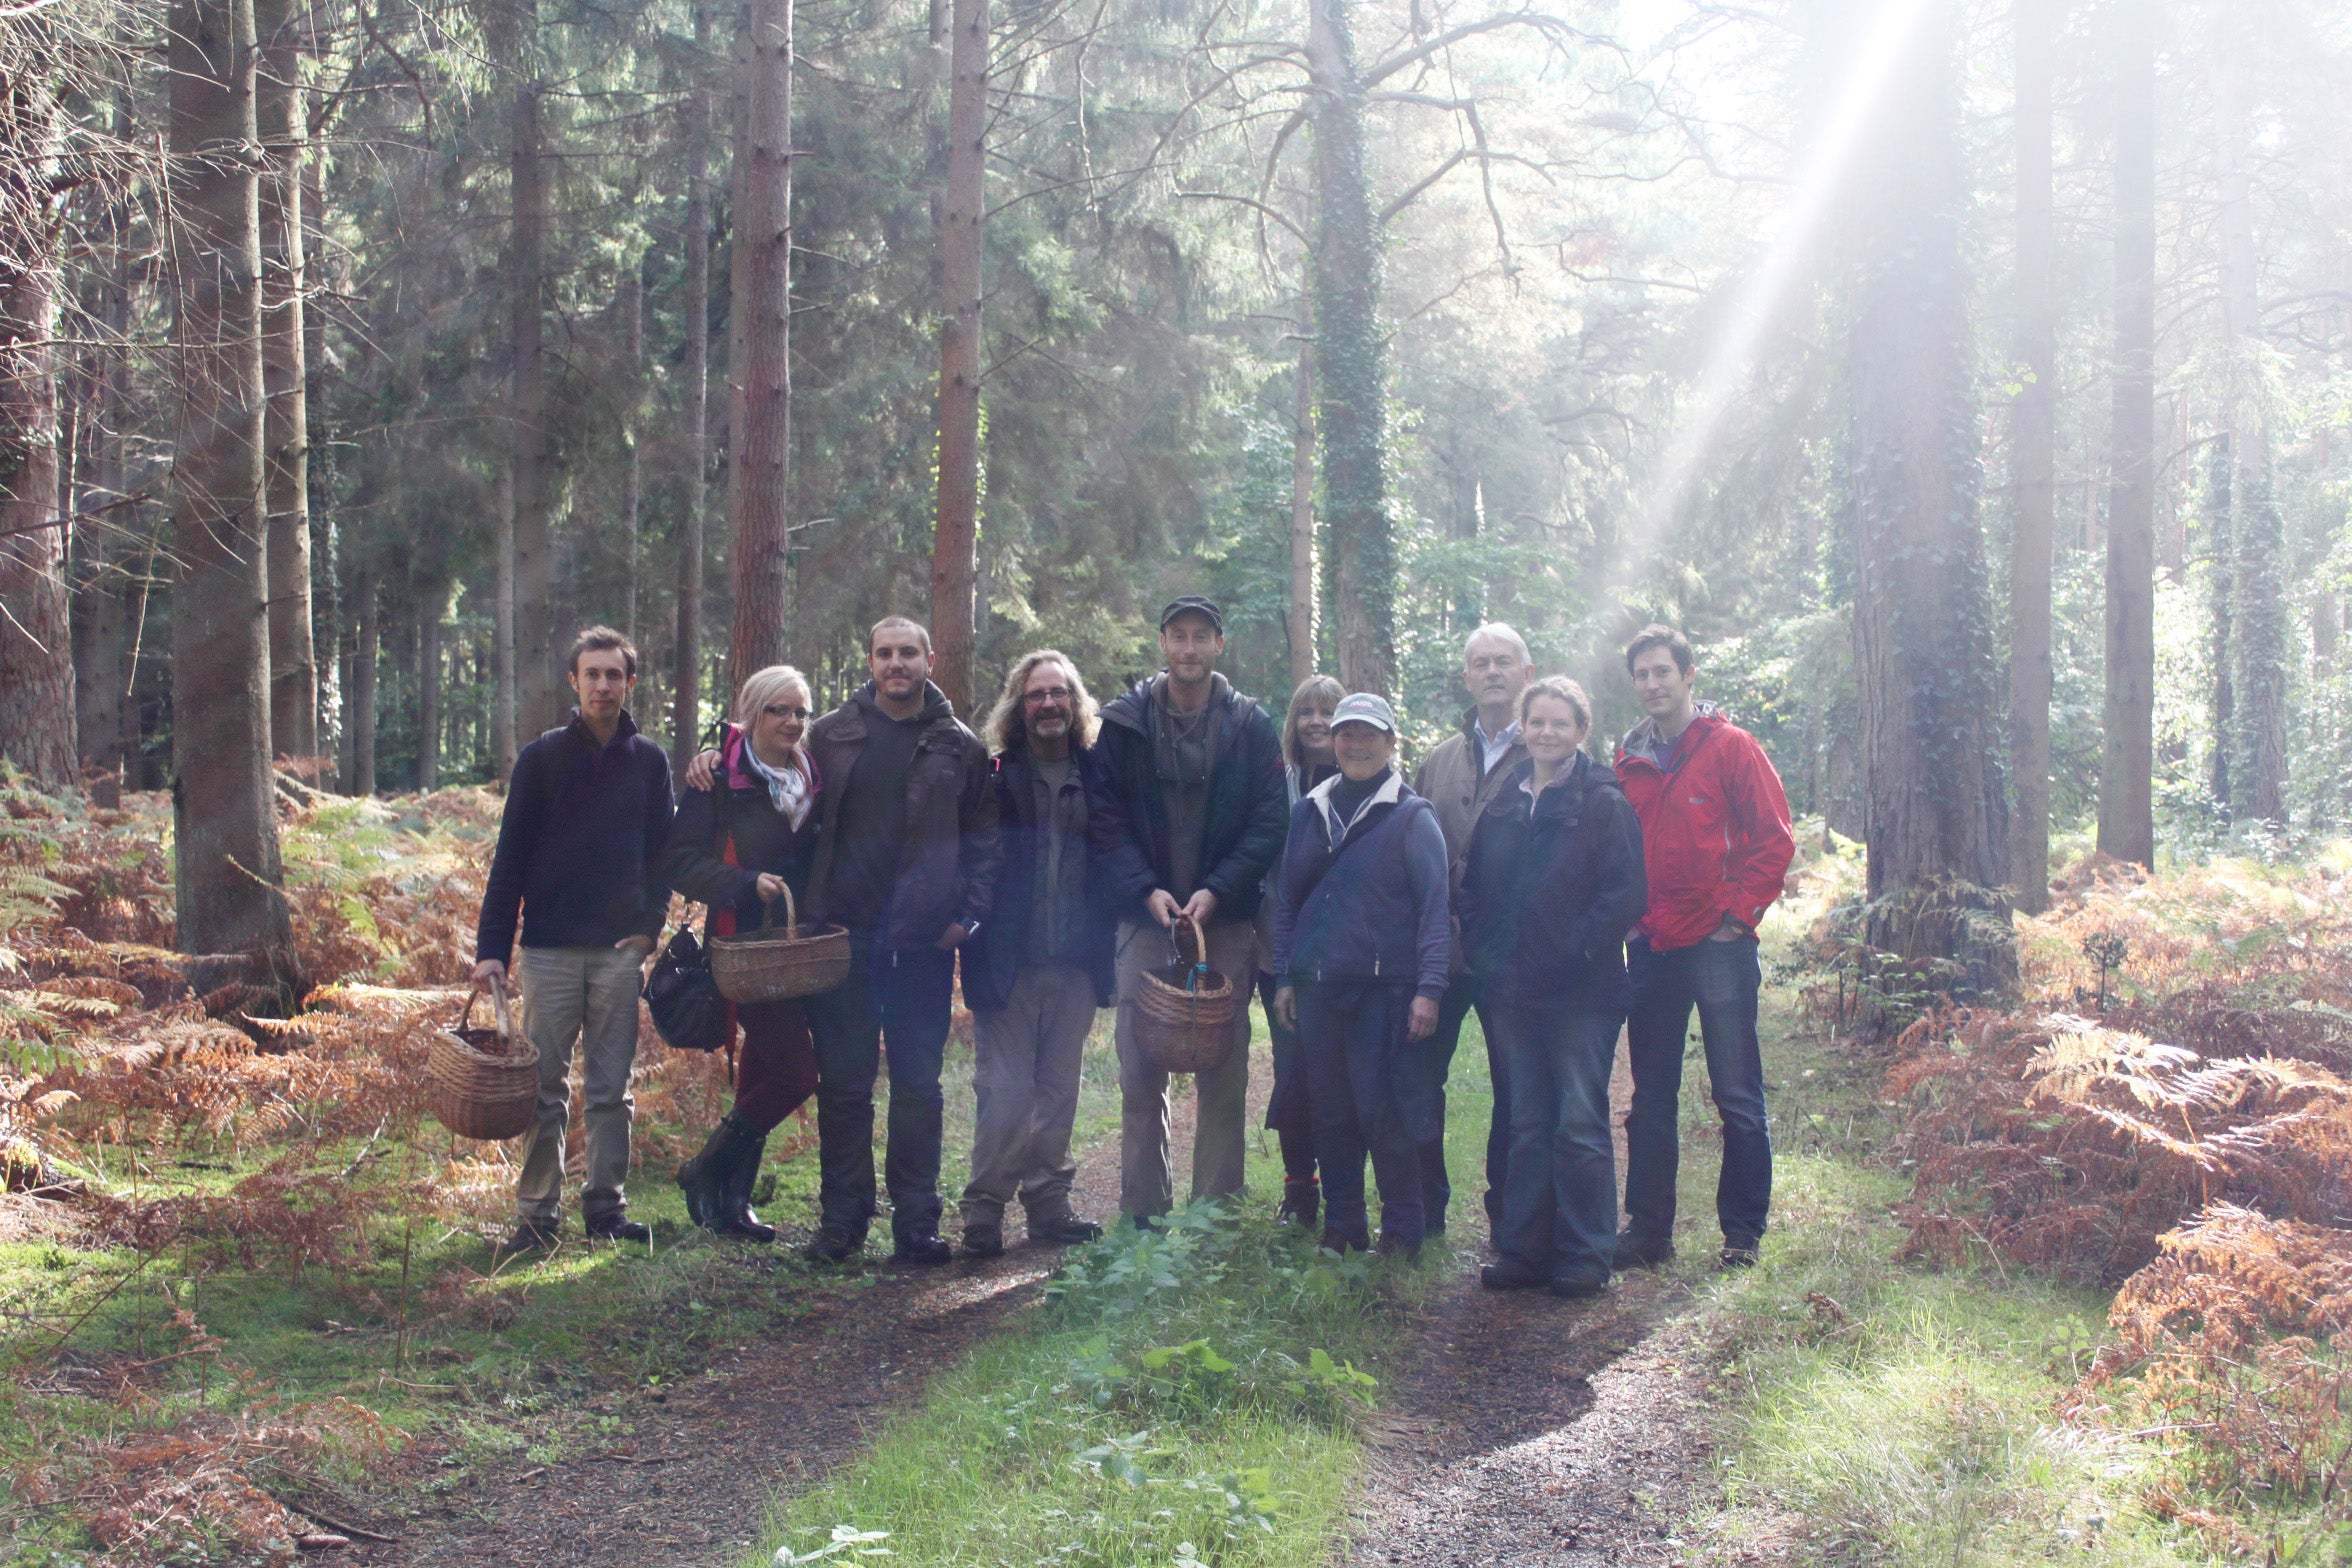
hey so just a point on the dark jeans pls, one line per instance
(896, 996)
(1436, 1191)
(1720, 979)
(1374, 1093)
(1288, 1111)
(1560, 1197)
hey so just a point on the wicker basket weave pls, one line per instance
(1184, 1012)
(483, 1083)
(769, 965)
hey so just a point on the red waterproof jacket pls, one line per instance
(1716, 839)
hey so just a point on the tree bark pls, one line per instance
(428, 679)
(2127, 823)
(686, 709)
(2221, 565)
(503, 740)
(1300, 621)
(760, 426)
(363, 676)
(284, 136)
(632, 498)
(36, 635)
(1924, 667)
(537, 697)
(227, 871)
(956, 536)
(1350, 361)
(2033, 446)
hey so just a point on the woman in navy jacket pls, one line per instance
(1363, 946)
(1554, 883)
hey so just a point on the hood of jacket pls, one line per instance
(1642, 740)
(1132, 708)
(935, 704)
(1335, 831)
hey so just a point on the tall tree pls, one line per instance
(1924, 667)
(2221, 564)
(2033, 424)
(686, 714)
(537, 695)
(2127, 822)
(956, 535)
(226, 873)
(760, 426)
(366, 641)
(1351, 369)
(632, 303)
(504, 743)
(36, 641)
(284, 135)
(1299, 620)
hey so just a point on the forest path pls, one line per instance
(692, 1485)
(1533, 1431)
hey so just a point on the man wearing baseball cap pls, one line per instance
(1185, 816)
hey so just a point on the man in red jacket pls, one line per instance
(1716, 843)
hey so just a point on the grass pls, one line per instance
(1189, 1397)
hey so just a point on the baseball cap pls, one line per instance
(1364, 707)
(1193, 603)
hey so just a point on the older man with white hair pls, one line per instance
(1458, 777)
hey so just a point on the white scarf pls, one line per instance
(788, 787)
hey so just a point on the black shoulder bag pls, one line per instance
(688, 1012)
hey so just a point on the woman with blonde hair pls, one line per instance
(1307, 760)
(739, 842)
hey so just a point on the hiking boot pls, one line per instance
(1641, 1249)
(925, 1246)
(1337, 1241)
(983, 1241)
(1395, 1246)
(1302, 1200)
(533, 1236)
(833, 1246)
(1572, 1289)
(1504, 1274)
(1064, 1230)
(735, 1217)
(1738, 1253)
(617, 1226)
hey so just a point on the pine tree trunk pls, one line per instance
(1924, 667)
(428, 678)
(955, 538)
(2127, 824)
(503, 739)
(686, 710)
(1350, 361)
(284, 134)
(2033, 445)
(537, 698)
(760, 427)
(1300, 619)
(227, 870)
(365, 641)
(2221, 567)
(632, 498)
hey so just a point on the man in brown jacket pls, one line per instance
(907, 860)
(1459, 776)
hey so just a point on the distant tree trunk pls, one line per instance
(1350, 362)
(284, 133)
(2127, 823)
(326, 550)
(36, 637)
(2221, 566)
(428, 677)
(760, 426)
(632, 497)
(955, 539)
(2032, 444)
(537, 698)
(227, 872)
(1922, 619)
(1300, 619)
(365, 640)
(686, 711)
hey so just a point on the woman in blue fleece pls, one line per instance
(1363, 945)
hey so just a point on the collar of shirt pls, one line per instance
(1491, 750)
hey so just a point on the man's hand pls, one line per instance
(771, 886)
(1286, 1009)
(1422, 1023)
(642, 946)
(1163, 906)
(953, 937)
(1730, 931)
(1200, 907)
(489, 969)
(703, 769)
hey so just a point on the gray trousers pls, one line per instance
(589, 995)
(1025, 1069)
(1221, 1098)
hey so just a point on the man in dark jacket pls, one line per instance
(1188, 817)
(580, 860)
(1716, 835)
(906, 859)
(1041, 966)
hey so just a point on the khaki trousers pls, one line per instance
(589, 995)
(1025, 1071)
(1221, 1098)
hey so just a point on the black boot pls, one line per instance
(735, 1217)
(1302, 1199)
(703, 1178)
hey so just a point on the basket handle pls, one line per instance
(498, 1007)
(791, 914)
(1198, 970)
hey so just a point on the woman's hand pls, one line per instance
(771, 887)
(1286, 1009)
(1422, 1023)
(702, 770)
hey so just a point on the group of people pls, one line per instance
(1562, 898)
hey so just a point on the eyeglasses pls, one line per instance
(778, 710)
(1051, 694)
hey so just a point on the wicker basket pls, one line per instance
(1184, 1012)
(770, 965)
(483, 1083)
